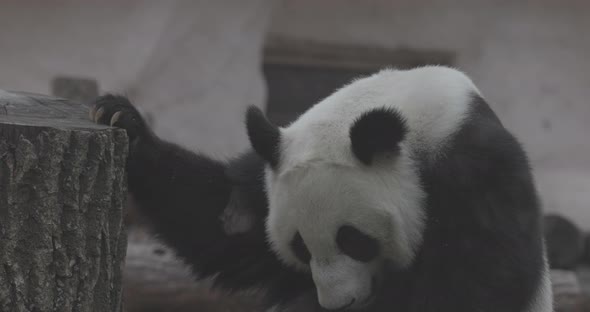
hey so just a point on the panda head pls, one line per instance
(344, 198)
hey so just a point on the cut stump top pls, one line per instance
(30, 109)
(32, 113)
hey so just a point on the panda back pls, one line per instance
(433, 100)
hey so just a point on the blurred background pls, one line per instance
(194, 66)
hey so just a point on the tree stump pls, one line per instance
(62, 192)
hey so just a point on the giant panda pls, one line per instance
(401, 191)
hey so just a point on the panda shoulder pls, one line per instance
(438, 101)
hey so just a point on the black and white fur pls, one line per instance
(402, 191)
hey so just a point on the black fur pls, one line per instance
(184, 194)
(300, 250)
(356, 244)
(130, 118)
(375, 132)
(482, 248)
(264, 137)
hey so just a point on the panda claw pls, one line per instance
(98, 114)
(91, 112)
(116, 117)
(117, 111)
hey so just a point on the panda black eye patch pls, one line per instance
(356, 244)
(300, 250)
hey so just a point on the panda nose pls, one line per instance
(344, 307)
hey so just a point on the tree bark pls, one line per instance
(62, 193)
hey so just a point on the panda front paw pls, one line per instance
(117, 111)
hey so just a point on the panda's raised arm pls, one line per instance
(211, 212)
(182, 193)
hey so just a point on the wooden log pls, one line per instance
(62, 192)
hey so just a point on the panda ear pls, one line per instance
(376, 132)
(264, 137)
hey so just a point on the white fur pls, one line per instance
(434, 100)
(340, 280)
(543, 301)
(321, 186)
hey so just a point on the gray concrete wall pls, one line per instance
(193, 64)
(529, 58)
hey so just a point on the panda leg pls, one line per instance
(185, 195)
(182, 194)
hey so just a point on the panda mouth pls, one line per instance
(367, 302)
(346, 307)
(358, 307)
(371, 298)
